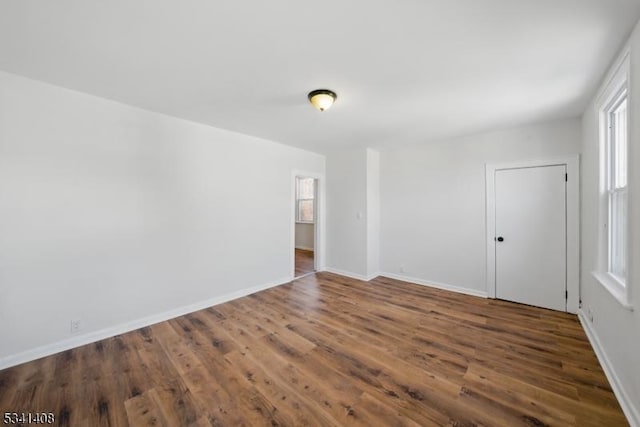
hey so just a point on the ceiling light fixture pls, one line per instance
(322, 99)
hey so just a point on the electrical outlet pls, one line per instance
(590, 314)
(75, 326)
(402, 269)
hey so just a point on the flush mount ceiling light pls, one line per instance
(322, 99)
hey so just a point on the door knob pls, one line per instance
(500, 239)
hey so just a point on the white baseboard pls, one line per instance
(88, 338)
(432, 284)
(349, 274)
(304, 248)
(628, 406)
(373, 276)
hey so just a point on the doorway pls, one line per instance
(532, 234)
(306, 219)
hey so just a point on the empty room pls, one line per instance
(338, 213)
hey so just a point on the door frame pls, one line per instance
(319, 222)
(572, 225)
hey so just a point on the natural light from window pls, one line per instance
(305, 198)
(617, 187)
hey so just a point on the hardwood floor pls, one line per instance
(304, 262)
(330, 351)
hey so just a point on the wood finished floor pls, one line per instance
(304, 262)
(330, 351)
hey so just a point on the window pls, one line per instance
(305, 199)
(616, 178)
(613, 219)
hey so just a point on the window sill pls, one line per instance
(305, 222)
(614, 287)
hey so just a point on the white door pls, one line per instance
(531, 235)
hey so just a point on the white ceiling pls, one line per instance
(406, 71)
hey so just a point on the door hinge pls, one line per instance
(566, 177)
(566, 294)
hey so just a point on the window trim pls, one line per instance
(611, 284)
(615, 87)
(611, 171)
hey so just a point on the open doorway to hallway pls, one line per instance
(305, 225)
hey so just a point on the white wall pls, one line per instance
(346, 212)
(353, 212)
(304, 236)
(110, 214)
(616, 330)
(433, 200)
(373, 213)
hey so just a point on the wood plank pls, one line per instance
(303, 262)
(330, 350)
